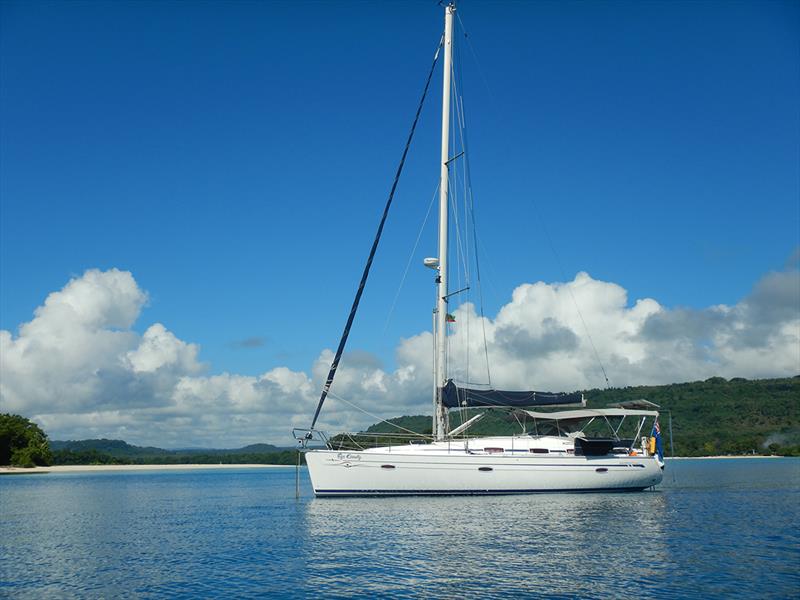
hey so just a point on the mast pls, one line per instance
(440, 339)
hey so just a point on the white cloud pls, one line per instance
(69, 354)
(160, 349)
(80, 370)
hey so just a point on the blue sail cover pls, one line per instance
(454, 397)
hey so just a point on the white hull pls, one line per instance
(395, 472)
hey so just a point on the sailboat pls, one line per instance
(553, 452)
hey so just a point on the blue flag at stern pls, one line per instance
(656, 433)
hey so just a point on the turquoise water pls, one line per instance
(721, 528)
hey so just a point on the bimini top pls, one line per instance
(589, 413)
(454, 396)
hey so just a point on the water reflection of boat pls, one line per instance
(506, 546)
(553, 452)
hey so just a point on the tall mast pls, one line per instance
(440, 416)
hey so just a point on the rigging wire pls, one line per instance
(571, 295)
(475, 58)
(369, 414)
(480, 293)
(461, 250)
(462, 244)
(467, 243)
(346, 333)
(541, 220)
(410, 259)
(452, 200)
(470, 198)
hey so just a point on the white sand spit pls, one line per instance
(93, 468)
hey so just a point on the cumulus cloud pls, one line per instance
(80, 370)
(82, 329)
(758, 337)
(538, 340)
(160, 349)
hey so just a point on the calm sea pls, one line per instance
(713, 528)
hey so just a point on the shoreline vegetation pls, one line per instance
(24, 445)
(716, 418)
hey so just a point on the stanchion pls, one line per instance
(297, 477)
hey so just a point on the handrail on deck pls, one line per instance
(363, 440)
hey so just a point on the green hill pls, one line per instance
(116, 448)
(711, 417)
(103, 451)
(716, 416)
(122, 449)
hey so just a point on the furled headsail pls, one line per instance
(454, 396)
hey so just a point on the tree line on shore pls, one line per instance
(24, 444)
(96, 457)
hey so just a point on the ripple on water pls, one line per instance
(721, 528)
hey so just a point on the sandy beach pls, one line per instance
(723, 456)
(98, 468)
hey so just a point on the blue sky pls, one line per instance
(235, 157)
